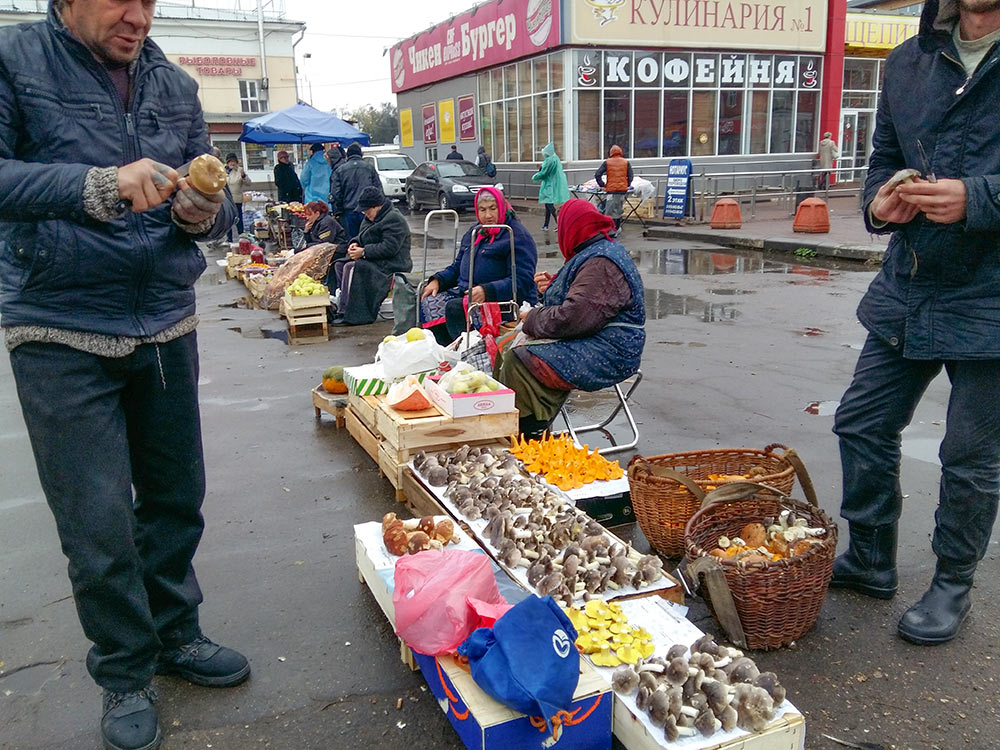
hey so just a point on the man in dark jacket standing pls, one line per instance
(287, 182)
(346, 185)
(97, 269)
(454, 155)
(615, 176)
(934, 304)
(379, 249)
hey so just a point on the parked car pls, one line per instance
(393, 169)
(446, 184)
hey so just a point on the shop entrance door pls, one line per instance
(856, 128)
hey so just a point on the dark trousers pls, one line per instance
(352, 223)
(877, 406)
(99, 427)
(238, 226)
(550, 210)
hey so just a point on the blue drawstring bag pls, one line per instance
(528, 661)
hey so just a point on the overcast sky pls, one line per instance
(346, 68)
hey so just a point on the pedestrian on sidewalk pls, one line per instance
(933, 305)
(97, 269)
(554, 189)
(349, 181)
(237, 181)
(485, 163)
(615, 176)
(828, 153)
(316, 175)
(455, 155)
(285, 179)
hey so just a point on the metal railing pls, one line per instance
(788, 186)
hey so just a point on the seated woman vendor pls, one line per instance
(442, 304)
(588, 333)
(322, 227)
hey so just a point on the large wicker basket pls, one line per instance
(664, 504)
(776, 601)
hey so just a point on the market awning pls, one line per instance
(301, 123)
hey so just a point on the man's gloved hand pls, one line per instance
(193, 207)
(146, 183)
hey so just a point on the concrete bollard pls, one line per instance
(812, 216)
(726, 214)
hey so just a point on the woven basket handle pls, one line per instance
(662, 471)
(805, 480)
(710, 570)
(732, 492)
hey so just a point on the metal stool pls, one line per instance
(621, 406)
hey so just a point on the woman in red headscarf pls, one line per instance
(588, 333)
(442, 305)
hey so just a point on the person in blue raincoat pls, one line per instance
(589, 332)
(316, 175)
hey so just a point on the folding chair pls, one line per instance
(621, 406)
(443, 213)
(510, 305)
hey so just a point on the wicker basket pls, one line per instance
(777, 601)
(663, 505)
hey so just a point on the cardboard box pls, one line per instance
(470, 404)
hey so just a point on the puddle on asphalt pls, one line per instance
(260, 333)
(809, 331)
(660, 304)
(729, 292)
(822, 408)
(682, 262)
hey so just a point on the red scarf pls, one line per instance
(579, 220)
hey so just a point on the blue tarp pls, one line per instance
(301, 123)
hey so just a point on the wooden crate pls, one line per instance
(393, 469)
(362, 434)
(435, 433)
(331, 403)
(365, 408)
(306, 325)
(306, 303)
(785, 733)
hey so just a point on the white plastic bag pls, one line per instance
(400, 357)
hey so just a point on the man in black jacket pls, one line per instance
(287, 182)
(346, 185)
(97, 270)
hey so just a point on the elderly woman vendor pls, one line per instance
(588, 333)
(442, 305)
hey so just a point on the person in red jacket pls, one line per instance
(615, 176)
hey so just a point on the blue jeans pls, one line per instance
(877, 406)
(352, 223)
(99, 426)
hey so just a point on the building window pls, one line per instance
(252, 97)
(430, 153)
(486, 126)
(730, 122)
(781, 122)
(618, 121)
(806, 119)
(557, 120)
(675, 123)
(647, 123)
(703, 122)
(588, 125)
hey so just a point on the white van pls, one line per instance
(393, 169)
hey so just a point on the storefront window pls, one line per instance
(860, 74)
(556, 100)
(556, 70)
(525, 121)
(618, 120)
(496, 83)
(524, 77)
(486, 126)
(759, 109)
(541, 122)
(730, 122)
(228, 144)
(512, 148)
(703, 122)
(484, 87)
(509, 81)
(541, 68)
(806, 116)
(675, 123)
(859, 101)
(781, 122)
(588, 125)
(647, 124)
(258, 156)
(499, 133)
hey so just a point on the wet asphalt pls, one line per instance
(740, 349)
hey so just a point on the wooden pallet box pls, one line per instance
(306, 303)
(785, 733)
(361, 434)
(438, 432)
(331, 403)
(365, 408)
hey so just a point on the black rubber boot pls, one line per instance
(939, 614)
(129, 721)
(869, 564)
(532, 428)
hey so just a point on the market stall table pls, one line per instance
(630, 208)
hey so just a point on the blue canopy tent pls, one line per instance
(301, 123)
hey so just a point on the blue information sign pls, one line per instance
(675, 201)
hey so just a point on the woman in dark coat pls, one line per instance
(322, 227)
(442, 306)
(381, 248)
(589, 332)
(285, 179)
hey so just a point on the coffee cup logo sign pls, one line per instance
(604, 10)
(729, 70)
(585, 73)
(810, 76)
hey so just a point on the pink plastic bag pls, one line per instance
(430, 598)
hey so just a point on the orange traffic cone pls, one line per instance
(726, 214)
(812, 216)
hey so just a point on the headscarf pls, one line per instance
(505, 213)
(579, 220)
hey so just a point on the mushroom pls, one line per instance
(570, 564)
(678, 671)
(444, 531)
(511, 557)
(717, 696)
(706, 723)
(550, 584)
(728, 719)
(494, 530)
(754, 707)
(418, 542)
(395, 539)
(647, 680)
(673, 731)
(625, 680)
(659, 707)
(742, 669)
(675, 651)
(705, 644)
(642, 698)
(437, 476)
(769, 681)
(426, 525)
(535, 574)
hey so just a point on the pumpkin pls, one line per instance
(407, 395)
(333, 380)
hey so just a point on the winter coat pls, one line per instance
(618, 172)
(554, 188)
(237, 182)
(348, 181)
(455, 156)
(613, 353)
(61, 115)
(386, 240)
(287, 182)
(492, 265)
(937, 295)
(828, 152)
(325, 229)
(316, 178)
